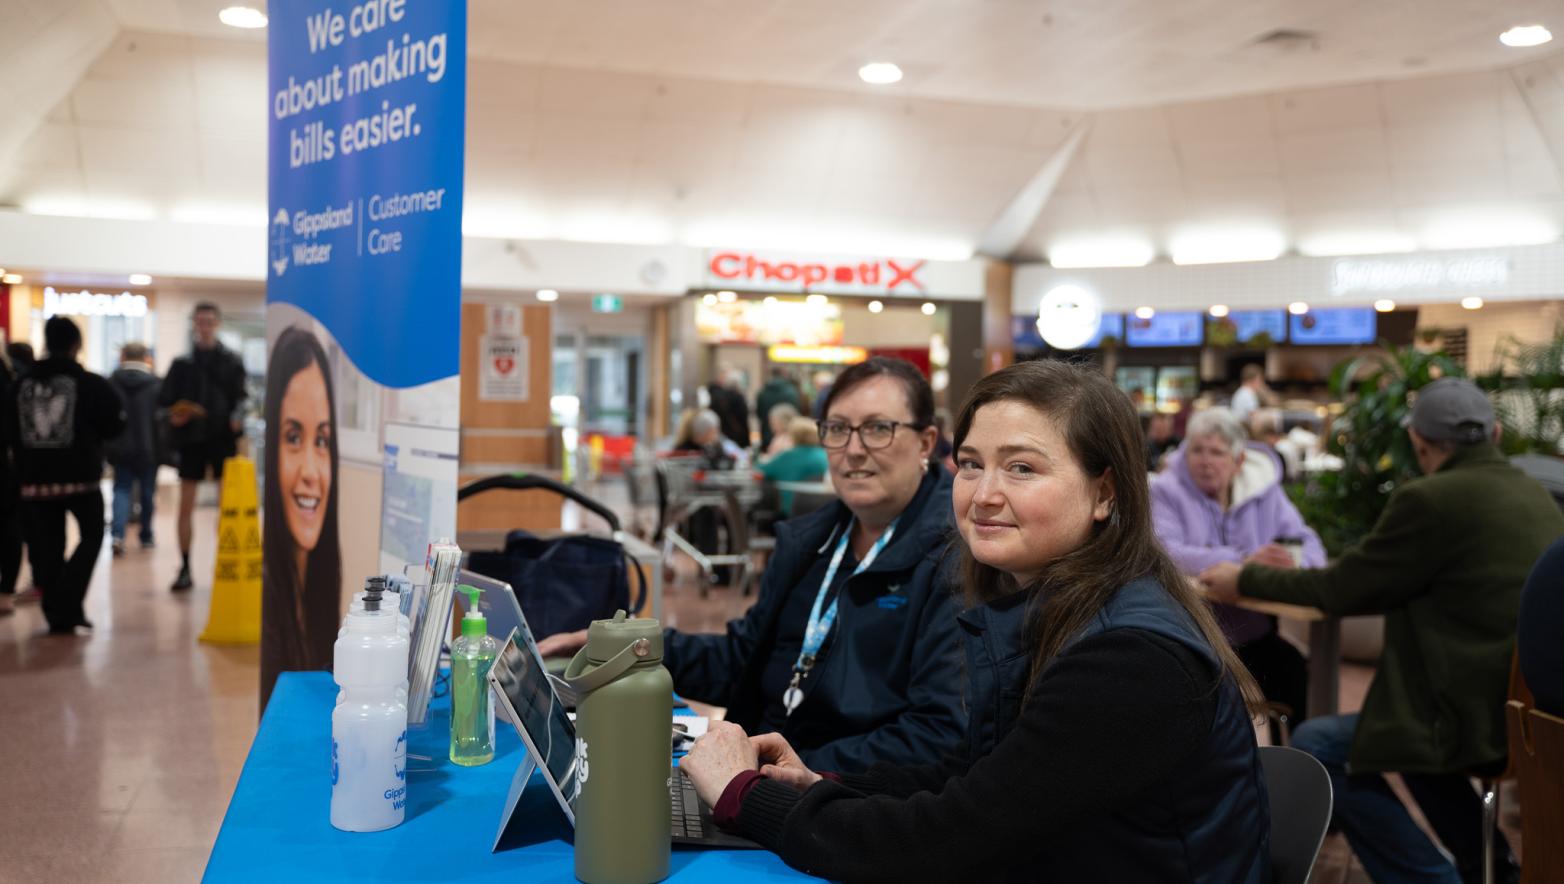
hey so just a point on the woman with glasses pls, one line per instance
(851, 649)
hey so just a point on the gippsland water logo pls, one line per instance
(399, 757)
(581, 768)
(336, 768)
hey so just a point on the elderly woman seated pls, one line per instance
(803, 460)
(780, 417)
(1220, 499)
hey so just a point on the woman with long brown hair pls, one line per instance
(301, 551)
(1109, 737)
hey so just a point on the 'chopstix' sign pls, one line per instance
(758, 272)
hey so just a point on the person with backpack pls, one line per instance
(134, 455)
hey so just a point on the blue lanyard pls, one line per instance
(820, 626)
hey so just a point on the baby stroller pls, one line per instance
(564, 582)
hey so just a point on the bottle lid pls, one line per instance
(474, 623)
(605, 638)
(374, 588)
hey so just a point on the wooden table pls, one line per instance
(1324, 648)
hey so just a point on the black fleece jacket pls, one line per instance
(1113, 718)
(60, 416)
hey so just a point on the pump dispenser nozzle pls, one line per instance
(474, 623)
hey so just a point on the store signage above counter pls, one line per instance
(1350, 275)
(816, 355)
(751, 271)
(85, 303)
(747, 270)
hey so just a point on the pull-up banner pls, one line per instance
(367, 114)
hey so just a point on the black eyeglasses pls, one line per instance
(873, 434)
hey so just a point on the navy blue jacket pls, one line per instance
(887, 684)
(1537, 631)
(1128, 760)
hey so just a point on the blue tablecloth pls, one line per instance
(278, 827)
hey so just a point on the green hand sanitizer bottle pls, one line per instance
(472, 713)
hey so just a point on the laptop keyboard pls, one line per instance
(684, 807)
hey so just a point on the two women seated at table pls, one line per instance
(851, 650)
(1110, 737)
(1220, 499)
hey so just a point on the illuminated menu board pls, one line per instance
(1335, 325)
(1165, 330)
(1112, 325)
(1025, 336)
(1250, 323)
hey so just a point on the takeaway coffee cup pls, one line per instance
(1294, 547)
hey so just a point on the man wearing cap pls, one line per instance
(1445, 564)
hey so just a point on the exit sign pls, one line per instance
(607, 304)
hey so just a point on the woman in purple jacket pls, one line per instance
(1220, 499)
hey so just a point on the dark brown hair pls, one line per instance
(1099, 425)
(920, 397)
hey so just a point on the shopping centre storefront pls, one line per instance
(1172, 332)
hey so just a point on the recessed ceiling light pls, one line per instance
(1219, 310)
(709, 299)
(1384, 305)
(1472, 303)
(1522, 36)
(727, 297)
(247, 17)
(880, 73)
(1297, 308)
(1144, 313)
(547, 295)
(12, 279)
(140, 279)
(816, 300)
(1108, 251)
(928, 308)
(1224, 245)
(875, 306)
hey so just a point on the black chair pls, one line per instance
(1301, 799)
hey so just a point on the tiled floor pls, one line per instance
(120, 750)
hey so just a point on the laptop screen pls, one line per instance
(520, 674)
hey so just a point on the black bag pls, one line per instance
(562, 583)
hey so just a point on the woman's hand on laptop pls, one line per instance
(716, 758)
(561, 644)
(779, 762)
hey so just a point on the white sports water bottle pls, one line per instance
(369, 725)
(389, 602)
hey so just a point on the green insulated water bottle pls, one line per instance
(623, 752)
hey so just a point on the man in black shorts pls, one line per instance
(203, 395)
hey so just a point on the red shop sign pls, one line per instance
(880, 274)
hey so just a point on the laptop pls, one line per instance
(525, 693)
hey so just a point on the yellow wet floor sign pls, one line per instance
(235, 618)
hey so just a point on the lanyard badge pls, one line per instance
(820, 624)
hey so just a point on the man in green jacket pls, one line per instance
(1445, 564)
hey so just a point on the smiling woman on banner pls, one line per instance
(1109, 736)
(302, 571)
(851, 649)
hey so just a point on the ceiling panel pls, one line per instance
(716, 120)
